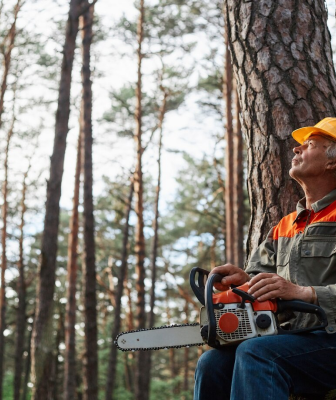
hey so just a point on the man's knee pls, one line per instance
(259, 348)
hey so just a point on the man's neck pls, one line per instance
(316, 193)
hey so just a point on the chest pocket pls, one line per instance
(318, 253)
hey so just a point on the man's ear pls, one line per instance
(331, 165)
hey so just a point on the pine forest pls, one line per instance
(139, 140)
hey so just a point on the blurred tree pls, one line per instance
(42, 339)
(70, 317)
(90, 362)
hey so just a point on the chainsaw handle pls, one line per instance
(301, 306)
(199, 287)
(210, 309)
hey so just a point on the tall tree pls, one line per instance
(138, 194)
(42, 338)
(111, 376)
(70, 317)
(229, 160)
(4, 215)
(90, 361)
(238, 189)
(282, 60)
(21, 292)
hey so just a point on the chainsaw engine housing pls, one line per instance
(250, 323)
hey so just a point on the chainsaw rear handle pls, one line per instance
(199, 287)
(301, 306)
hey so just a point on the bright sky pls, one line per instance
(185, 129)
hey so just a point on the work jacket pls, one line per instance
(302, 249)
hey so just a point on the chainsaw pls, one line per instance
(227, 317)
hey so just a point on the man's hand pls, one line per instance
(265, 286)
(231, 276)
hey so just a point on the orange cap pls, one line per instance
(326, 127)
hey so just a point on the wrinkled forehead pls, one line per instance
(320, 137)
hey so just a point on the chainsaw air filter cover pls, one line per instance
(235, 324)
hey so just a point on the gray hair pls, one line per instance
(331, 151)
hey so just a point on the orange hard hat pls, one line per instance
(326, 127)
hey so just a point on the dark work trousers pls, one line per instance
(269, 367)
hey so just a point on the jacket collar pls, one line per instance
(317, 206)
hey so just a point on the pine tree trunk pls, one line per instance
(282, 60)
(9, 43)
(4, 212)
(229, 161)
(70, 317)
(155, 245)
(42, 339)
(90, 361)
(21, 291)
(238, 191)
(111, 376)
(139, 236)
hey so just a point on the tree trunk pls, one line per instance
(70, 317)
(42, 339)
(238, 191)
(229, 160)
(282, 60)
(155, 245)
(8, 44)
(4, 212)
(139, 236)
(21, 291)
(111, 376)
(90, 361)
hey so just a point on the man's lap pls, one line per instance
(309, 359)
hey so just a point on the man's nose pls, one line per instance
(297, 150)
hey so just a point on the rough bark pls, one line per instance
(238, 190)
(111, 376)
(229, 160)
(282, 61)
(4, 214)
(8, 45)
(72, 267)
(20, 325)
(90, 362)
(42, 339)
(138, 193)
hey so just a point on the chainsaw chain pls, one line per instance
(157, 348)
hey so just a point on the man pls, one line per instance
(296, 261)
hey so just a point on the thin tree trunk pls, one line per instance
(59, 340)
(139, 236)
(21, 291)
(155, 244)
(282, 60)
(111, 376)
(70, 317)
(8, 45)
(4, 212)
(42, 339)
(28, 361)
(90, 361)
(238, 191)
(229, 160)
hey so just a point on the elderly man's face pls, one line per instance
(310, 159)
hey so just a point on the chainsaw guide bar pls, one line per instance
(144, 339)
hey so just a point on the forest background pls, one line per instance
(154, 183)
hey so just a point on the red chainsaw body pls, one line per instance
(228, 297)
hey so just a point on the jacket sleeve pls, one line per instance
(326, 297)
(264, 258)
